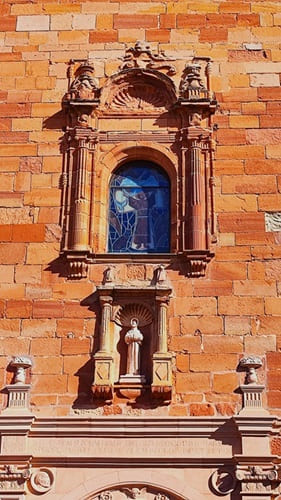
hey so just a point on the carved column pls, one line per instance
(162, 325)
(103, 377)
(81, 201)
(105, 321)
(197, 209)
(162, 359)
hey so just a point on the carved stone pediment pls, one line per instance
(138, 91)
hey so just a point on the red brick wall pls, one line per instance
(236, 309)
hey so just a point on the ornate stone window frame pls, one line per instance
(141, 89)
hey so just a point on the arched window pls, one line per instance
(139, 209)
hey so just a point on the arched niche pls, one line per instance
(137, 91)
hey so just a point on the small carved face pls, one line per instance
(135, 491)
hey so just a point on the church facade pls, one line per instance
(140, 250)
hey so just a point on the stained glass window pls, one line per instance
(139, 209)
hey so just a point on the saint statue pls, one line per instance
(133, 339)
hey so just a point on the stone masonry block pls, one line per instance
(33, 23)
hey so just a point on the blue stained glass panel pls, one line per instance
(139, 209)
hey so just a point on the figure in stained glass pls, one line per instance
(139, 213)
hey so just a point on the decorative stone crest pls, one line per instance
(84, 87)
(42, 480)
(141, 56)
